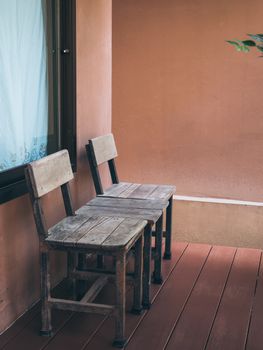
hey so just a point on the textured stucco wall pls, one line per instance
(218, 223)
(187, 108)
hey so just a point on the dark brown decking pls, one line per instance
(211, 298)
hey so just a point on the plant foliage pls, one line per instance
(256, 40)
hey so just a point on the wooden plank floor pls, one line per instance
(211, 298)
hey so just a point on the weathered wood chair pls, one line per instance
(82, 234)
(102, 149)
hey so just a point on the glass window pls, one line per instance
(24, 83)
(37, 76)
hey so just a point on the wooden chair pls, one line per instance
(82, 234)
(102, 149)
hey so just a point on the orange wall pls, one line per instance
(19, 272)
(187, 108)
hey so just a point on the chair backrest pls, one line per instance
(45, 175)
(104, 149)
(50, 172)
(100, 150)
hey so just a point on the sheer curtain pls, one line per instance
(23, 83)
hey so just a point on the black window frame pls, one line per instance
(12, 181)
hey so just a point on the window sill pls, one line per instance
(13, 191)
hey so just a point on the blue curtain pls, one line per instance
(23, 83)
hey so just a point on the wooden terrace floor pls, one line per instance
(212, 298)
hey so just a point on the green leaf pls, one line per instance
(249, 43)
(260, 48)
(239, 45)
(244, 49)
(236, 44)
(257, 37)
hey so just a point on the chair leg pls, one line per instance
(120, 340)
(168, 239)
(100, 261)
(157, 274)
(147, 252)
(137, 299)
(46, 328)
(72, 264)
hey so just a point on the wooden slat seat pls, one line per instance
(155, 204)
(151, 215)
(83, 233)
(103, 149)
(139, 191)
(97, 233)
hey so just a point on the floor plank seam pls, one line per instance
(254, 296)
(93, 334)
(171, 271)
(51, 339)
(22, 328)
(155, 296)
(219, 303)
(36, 305)
(187, 298)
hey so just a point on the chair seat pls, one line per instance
(139, 191)
(129, 203)
(100, 233)
(106, 208)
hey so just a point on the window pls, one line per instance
(37, 86)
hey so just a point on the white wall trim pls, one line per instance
(216, 200)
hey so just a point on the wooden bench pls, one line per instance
(150, 210)
(102, 149)
(83, 234)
